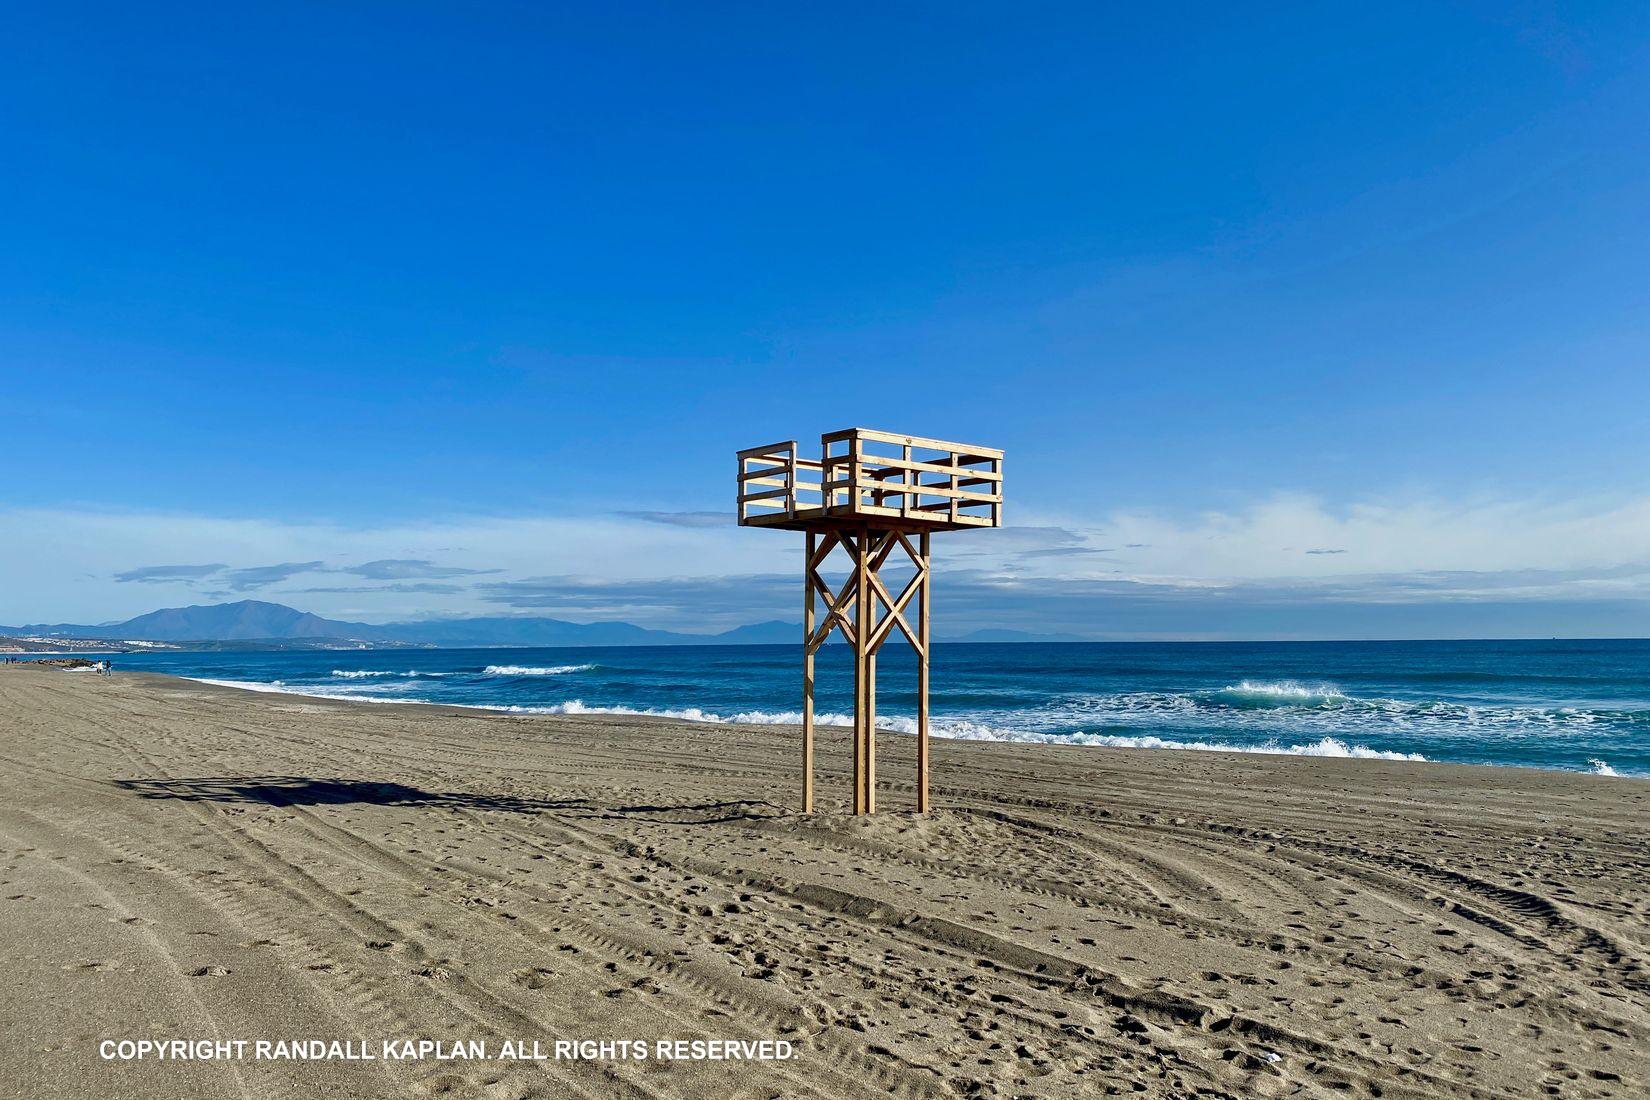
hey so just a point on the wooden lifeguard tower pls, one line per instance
(868, 494)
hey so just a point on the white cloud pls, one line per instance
(60, 565)
(1285, 536)
(63, 565)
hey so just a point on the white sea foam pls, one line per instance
(279, 687)
(376, 688)
(1287, 691)
(1310, 711)
(690, 714)
(536, 670)
(1324, 746)
(953, 729)
(1309, 719)
(965, 730)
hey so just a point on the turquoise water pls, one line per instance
(1581, 706)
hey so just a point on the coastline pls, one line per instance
(1570, 706)
(185, 856)
(940, 730)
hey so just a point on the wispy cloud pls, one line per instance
(1511, 603)
(244, 579)
(1410, 566)
(52, 559)
(694, 601)
(1005, 543)
(683, 519)
(1067, 551)
(429, 588)
(167, 574)
(262, 576)
(395, 569)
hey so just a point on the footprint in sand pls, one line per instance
(532, 977)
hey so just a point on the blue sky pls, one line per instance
(499, 291)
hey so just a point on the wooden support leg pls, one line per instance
(870, 733)
(862, 669)
(808, 679)
(922, 681)
(859, 730)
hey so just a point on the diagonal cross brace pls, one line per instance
(836, 604)
(895, 615)
(896, 607)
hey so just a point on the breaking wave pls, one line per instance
(536, 670)
(964, 730)
(1325, 708)
(313, 691)
(1379, 715)
(1288, 693)
(953, 729)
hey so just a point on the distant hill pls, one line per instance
(526, 631)
(256, 624)
(245, 620)
(251, 621)
(772, 632)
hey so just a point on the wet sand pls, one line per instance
(182, 861)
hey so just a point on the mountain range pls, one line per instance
(258, 624)
(252, 621)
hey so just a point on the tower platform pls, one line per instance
(869, 495)
(866, 478)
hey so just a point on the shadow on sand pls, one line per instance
(296, 790)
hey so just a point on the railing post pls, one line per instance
(790, 478)
(997, 491)
(827, 474)
(906, 477)
(853, 473)
(955, 460)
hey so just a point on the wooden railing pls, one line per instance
(874, 474)
(956, 482)
(771, 480)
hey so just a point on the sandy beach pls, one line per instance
(184, 861)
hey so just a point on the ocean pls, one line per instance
(1573, 705)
